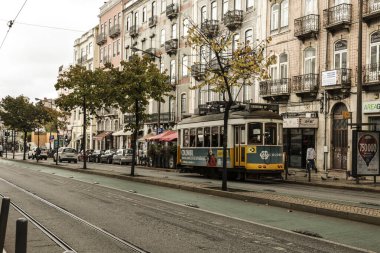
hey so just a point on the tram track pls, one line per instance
(55, 238)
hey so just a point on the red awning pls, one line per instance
(170, 137)
(101, 136)
(159, 136)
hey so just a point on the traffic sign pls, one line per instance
(56, 144)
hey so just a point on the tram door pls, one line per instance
(239, 141)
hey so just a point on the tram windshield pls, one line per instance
(255, 133)
(270, 135)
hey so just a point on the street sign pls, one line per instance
(55, 144)
(346, 115)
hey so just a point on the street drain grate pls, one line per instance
(308, 233)
(229, 189)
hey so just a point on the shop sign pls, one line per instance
(366, 158)
(291, 123)
(329, 78)
(301, 123)
(341, 45)
(371, 107)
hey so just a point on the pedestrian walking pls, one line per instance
(310, 159)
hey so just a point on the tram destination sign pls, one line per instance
(365, 156)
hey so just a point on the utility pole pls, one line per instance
(360, 69)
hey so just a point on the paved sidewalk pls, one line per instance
(322, 207)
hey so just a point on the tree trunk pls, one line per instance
(84, 133)
(225, 138)
(25, 136)
(135, 131)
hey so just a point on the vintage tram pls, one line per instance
(254, 142)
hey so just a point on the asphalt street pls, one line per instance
(149, 222)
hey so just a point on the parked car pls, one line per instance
(43, 154)
(80, 155)
(66, 154)
(95, 156)
(107, 156)
(122, 156)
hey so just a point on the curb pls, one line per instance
(341, 187)
(260, 198)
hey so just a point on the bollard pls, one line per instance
(3, 220)
(21, 235)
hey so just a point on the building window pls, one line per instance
(162, 67)
(249, 4)
(162, 40)
(90, 53)
(375, 50)
(153, 8)
(309, 61)
(235, 42)
(249, 37)
(136, 18)
(144, 15)
(214, 11)
(172, 72)
(283, 65)
(203, 14)
(183, 103)
(284, 14)
(114, 49)
(237, 5)
(128, 23)
(185, 62)
(225, 7)
(185, 27)
(310, 7)
(340, 54)
(275, 13)
(174, 31)
(118, 47)
(279, 15)
(163, 6)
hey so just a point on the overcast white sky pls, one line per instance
(31, 55)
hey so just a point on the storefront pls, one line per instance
(299, 133)
(372, 110)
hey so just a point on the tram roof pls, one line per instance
(259, 114)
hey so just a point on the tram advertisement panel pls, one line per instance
(204, 157)
(264, 155)
(366, 157)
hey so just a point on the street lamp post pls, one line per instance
(135, 49)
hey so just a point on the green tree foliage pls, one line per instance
(84, 89)
(134, 84)
(22, 115)
(225, 70)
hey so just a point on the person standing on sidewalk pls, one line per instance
(310, 159)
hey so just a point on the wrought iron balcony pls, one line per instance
(172, 11)
(133, 31)
(115, 31)
(106, 59)
(338, 17)
(305, 84)
(152, 21)
(275, 88)
(198, 71)
(171, 46)
(215, 66)
(343, 80)
(306, 27)
(151, 52)
(165, 117)
(233, 19)
(210, 28)
(82, 59)
(371, 75)
(371, 10)
(101, 39)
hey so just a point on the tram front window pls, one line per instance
(255, 133)
(270, 135)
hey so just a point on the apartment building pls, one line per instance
(315, 77)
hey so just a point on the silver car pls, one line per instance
(66, 154)
(122, 156)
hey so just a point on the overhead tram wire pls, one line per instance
(49, 27)
(10, 24)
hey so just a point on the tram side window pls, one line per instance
(280, 134)
(221, 134)
(200, 137)
(186, 138)
(255, 133)
(215, 136)
(192, 137)
(207, 137)
(270, 135)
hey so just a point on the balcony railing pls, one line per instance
(233, 19)
(371, 10)
(279, 87)
(172, 11)
(306, 27)
(198, 71)
(337, 17)
(133, 31)
(165, 117)
(307, 83)
(171, 46)
(152, 21)
(101, 39)
(343, 80)
(215, 66)
(210, 28)
(82, 59)
(106, 59)
(372, 74)
(115, 31)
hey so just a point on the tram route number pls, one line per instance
(252, 149)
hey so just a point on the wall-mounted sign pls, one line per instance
(371, 107)
(329, 78)
(301, 123)
(366, 158)
(341, 45)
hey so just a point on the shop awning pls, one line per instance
(161, 135)
(101, 136)
(122, 133)
(146, 137)
(170, 137)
